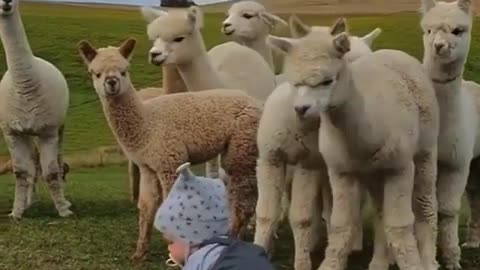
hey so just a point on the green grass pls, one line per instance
(102, 235)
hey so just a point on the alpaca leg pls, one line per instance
(285, 201)
(271, 183)
(48, 146)
(23, 166)
(381, 258)
(305, 187)
(134, 181)
(473, 194)
(346, 201)
(450, 188)
(212, 168)
(399, 218)
(32, 195)
(148, 202)
(358, 244)
(425, 208)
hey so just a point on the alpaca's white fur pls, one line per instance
(447, 34)
(289, 156)
(249, 24)
(34, 98)
(385, 140)
(222, 67)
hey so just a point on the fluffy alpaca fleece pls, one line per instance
(288, 148)
(249, 24)
(384, 140)
(34, 98)
(447, 33)
(178, 41)
(172, 83)
(160, 134)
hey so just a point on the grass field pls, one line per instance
(102, 234)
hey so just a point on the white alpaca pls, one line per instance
(447, 33)
(178, 41)
(249, 24)
(288, 147)
(379, 128)
(34, 99)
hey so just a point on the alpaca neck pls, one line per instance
(447, 79)
(199, 73)
(172, 80)
(17, 50)
(125, 115)
(260, 45)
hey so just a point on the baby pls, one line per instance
(194, 220)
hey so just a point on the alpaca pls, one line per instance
(178, 41)
(159, 135)
(288, 147)
(446, 38)
(34, 99)
(249, 24)
(384, 140)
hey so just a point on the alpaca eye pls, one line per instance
(247, 16)
(326, 82)
(429, 31)
(178, 39)
(98, 75)
(457, 31)
(123, 73)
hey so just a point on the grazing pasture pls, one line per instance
(103, 232)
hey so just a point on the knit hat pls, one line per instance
(196, 208)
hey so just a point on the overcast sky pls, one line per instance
(135, 2)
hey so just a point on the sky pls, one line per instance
(134, 2)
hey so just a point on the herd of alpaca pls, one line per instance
(339, 121)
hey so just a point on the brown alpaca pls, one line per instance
(163, 133)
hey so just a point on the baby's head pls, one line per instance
(195, 210)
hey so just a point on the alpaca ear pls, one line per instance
(195, 16)
(282, 44)
(427, 5)
(87, 51)
(341, 43)
(297, 28)
(272, 20)
(339, 26)
(370, 37)
(126, 49)
(465, 5)
(150, 14)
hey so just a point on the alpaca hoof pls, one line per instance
(138, 257)
(471, 244)
(65, 213)
(15, 216)
(453, 266)
(67, 204)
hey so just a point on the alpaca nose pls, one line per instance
(439, 46)
(112, 82)
(301, 110)
(155, 54)
(226, 25)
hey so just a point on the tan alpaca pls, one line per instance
(379, 128)
(162, 133)
(446, 37)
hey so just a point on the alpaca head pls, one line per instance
(314, 64)
(248, 21)
(176, 36)
(108, 66)
(447, 29)
(7, 7)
